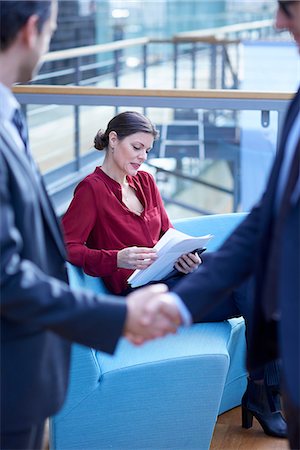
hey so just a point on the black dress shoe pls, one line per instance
(259, 401)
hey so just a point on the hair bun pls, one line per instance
(100, 140)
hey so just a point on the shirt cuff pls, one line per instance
(186, 316)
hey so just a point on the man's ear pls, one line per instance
(29, 32)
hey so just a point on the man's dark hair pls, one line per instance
(14, 15)
(284, 6)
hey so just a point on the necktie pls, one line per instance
(47, 208)
(19, 122)
(269, 305)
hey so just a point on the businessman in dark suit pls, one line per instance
(265, 246)
(40, 314)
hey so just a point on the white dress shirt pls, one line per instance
(8, 106)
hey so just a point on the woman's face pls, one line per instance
(129, 153)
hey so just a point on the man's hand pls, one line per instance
(150, 314)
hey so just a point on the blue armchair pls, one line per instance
(166, 394)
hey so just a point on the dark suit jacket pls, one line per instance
(40, 315)
(245, 254)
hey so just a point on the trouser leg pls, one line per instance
(261, 397)
(240, 303)
(29, 439)
(234, 305)
(292, 414)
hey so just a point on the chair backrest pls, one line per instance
(220, 225)
(77, 278)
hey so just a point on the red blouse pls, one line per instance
(98, 224)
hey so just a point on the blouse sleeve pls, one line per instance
(78, 224)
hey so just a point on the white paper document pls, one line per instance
(169, 248)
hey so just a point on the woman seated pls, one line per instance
(113, 222)
(117, 214)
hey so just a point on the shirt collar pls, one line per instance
(8, 103)
(114, 184)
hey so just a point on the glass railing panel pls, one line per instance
(91, 120)
(208, 159)
(223, 156)
(52, 134)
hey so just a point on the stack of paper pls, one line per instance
(169, 248)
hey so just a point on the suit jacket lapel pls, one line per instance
(292, 112)
(36, 179)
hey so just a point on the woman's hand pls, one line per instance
(188, 263)
(136, 257)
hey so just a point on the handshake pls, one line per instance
(151, 313)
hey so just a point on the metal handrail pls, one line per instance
(127, 43)
(221, 32)
(88, 50)
(35, 93)
(208, 38)
(178, 174)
